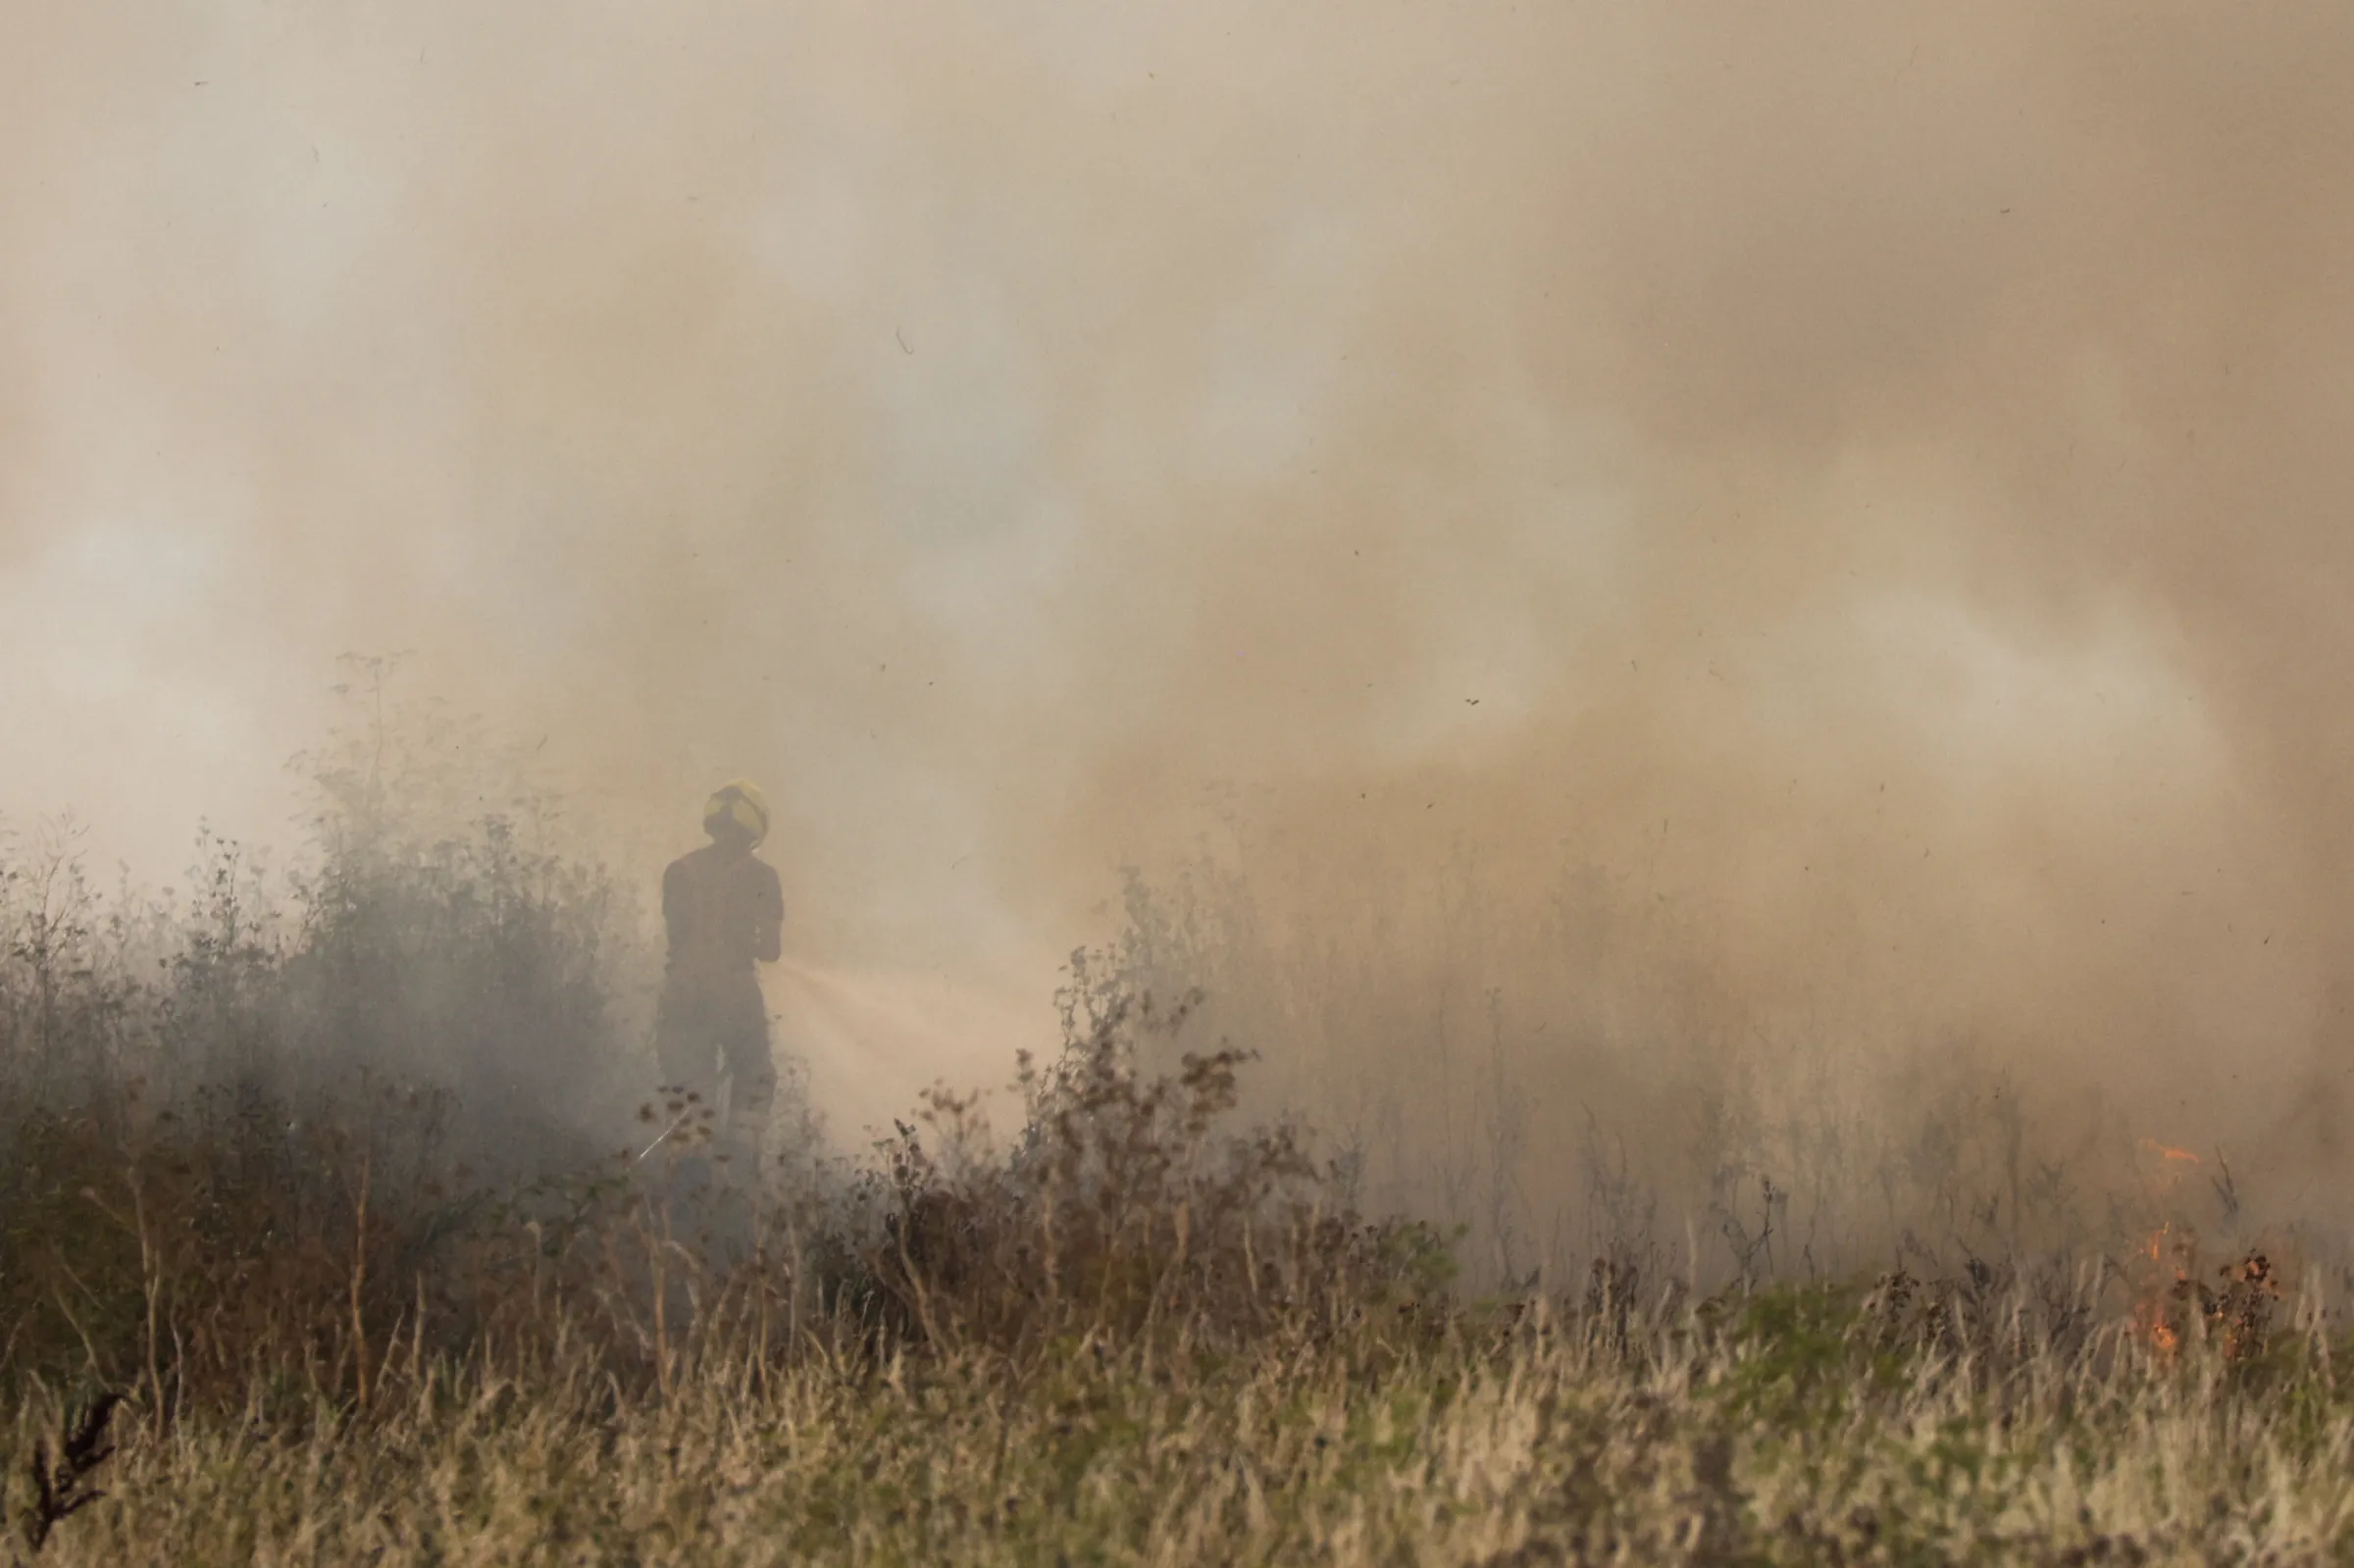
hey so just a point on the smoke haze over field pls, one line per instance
(1867, 479)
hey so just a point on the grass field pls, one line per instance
(1800, 1429)
(305, 1257)
(1132, 1338)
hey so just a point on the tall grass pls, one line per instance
(342, 1220)
(1785, 1427)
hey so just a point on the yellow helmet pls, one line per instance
(737, 807)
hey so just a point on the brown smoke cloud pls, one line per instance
(1863, 483)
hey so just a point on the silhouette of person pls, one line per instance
(724, 910)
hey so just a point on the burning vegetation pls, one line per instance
(373, 1180)
(1717, 632)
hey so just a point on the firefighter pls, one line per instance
(725, 911)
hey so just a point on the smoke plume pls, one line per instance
(1605, 532)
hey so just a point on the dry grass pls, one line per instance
(1132, 1338)
(1793, 1431)
(303, 1257)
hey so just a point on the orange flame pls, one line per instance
(2172, 1305)
(2155, 1317)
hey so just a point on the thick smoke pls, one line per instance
(1680, 529)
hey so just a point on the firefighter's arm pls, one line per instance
(674, 904)
(768, 925)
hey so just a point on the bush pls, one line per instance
(1127, 1211)
(310, 1145)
